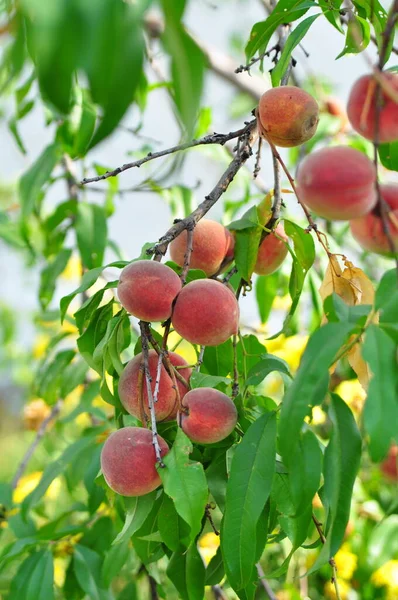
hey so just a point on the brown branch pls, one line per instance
(40, 433)
(148, 379)
(265, 583)
(200, 358)
(244, 151)
(215, 138)
(332, 563)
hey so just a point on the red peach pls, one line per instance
(361, 109)
(206, 312)
(166, 407)
(389, 466)
(210, 244)
(288, 116)
(210, 416)
(147, 290)
(368, 230)
(128, 461)
(337, 183)
(272, 252)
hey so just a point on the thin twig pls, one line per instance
(40, 433)
(332, 563)
(235, 384)
(148, 379)
(265, 583)
(257, 165)
(210, 519)
(215, 138)
(158, 376)
(230, 274)
(200, 358)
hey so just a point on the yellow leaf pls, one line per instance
(358, 364)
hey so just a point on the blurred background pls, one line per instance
(368, 561)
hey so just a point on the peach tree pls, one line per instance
(192, 446)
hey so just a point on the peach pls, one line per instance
(389, 466)
(147, 290)
(210, 416)
(206, 312)
(166, 407)
(288, 116)
(272, 252)
(128, 461)
(210, 245)
(337, 183)
(368, 230)
(229, 255)
(361, 108)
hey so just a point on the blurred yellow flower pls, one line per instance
(34, 414)
(60, 566)
(282, 302)
(68, 327)
(289, 349)
(208, 545)
(40, 345)
(387, 576)
(330, 591)
(184, 349)
(346, 562)
(73, 269)
(353, 393)
(28, 483)
(318, 416)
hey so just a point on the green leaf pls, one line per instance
(147, 541)
(187, 572)
(381, 406)
(310, 384)
(41, 581)
(173, 529)
(286, 11)
(218, 360)
(202, 380)
(33, 180)
(137, 510)
(185, 482)
(247, 242)
(21, 580)
(87, 567)
(249, 486)
(85, 129)
(55, 469)
(49, 276)
(267, 365)
(89, 278)
(389, 155)
(266, 288)
(358, 36)
(91, 233)
(114, 560)
(187, 68)
(305, 466)
(331, 10)
(217, 477)
(113, 45)
(50, 378)
(341, 464)
(292, 41)
(383, 542)
(215, 569)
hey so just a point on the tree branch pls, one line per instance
(215, 138)
(244, 151)
(40, 433)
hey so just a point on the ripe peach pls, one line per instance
(272, 252)
(389, 466)
(361, 108)
(206, 312)
(210, 244)
(337, 183)
(368, 230)
(288, 116)
(128, 461)
(210, 416)
(166, 406)
(147, 290)
(229, 255)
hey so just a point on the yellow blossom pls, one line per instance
(282, 302)
(387, 576)
(40, 345)
(68, 327)
(353, 393)
(28, 483)
(184, 348)
(208, 545)
(73, 269)
(346, 562)
(330, 591)
(60, 566)
(318, 416)
(289, 349)
(34, 414)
